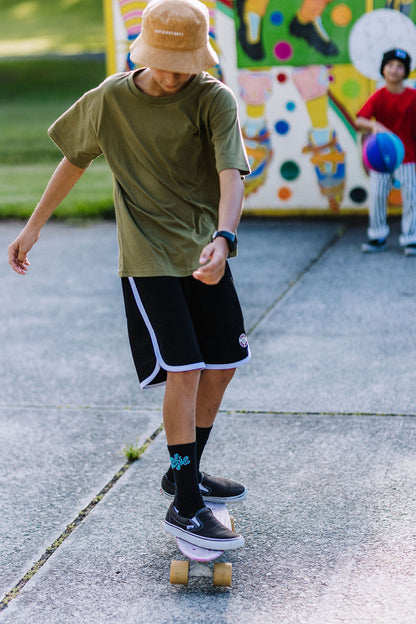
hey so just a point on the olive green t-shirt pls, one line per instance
(165, 154)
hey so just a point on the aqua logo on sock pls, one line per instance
(177, 461)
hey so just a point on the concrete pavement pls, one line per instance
(320, 426)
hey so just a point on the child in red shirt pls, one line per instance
(392, 109)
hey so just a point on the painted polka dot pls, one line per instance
(341, 15)
(289, 170)
(351, 88)
(281, 126)
(290, 106)
(276, 18)
(281, 77)
(358, 195)
(284, 193)
(283, 51)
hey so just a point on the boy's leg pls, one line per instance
(179, 421)
(407, 176)
(378, 230)
(187, 516)
(179, 406)
(211, 388)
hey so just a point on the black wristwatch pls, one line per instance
(230, 237)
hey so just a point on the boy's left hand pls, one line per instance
(212, 259)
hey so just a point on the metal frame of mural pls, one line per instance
(300, 70)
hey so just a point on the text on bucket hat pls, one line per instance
(174, 37)
(396, 55)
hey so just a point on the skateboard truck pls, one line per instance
(182, 571)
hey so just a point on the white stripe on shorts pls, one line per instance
(160, 363)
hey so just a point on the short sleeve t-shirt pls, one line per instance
(396, 111)
(165, 154)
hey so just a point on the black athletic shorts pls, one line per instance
(180, 324)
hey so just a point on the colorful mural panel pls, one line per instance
(303, 32)
(300, 70)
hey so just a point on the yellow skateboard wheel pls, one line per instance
(222, 574)
(179, 572)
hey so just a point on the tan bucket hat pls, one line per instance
(174, 37)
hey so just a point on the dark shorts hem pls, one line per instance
(162, 370)
(179, 324)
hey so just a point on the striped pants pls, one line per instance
(380, 185)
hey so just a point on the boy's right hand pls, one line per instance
(19, 249)
(378, 127)
(213, 259)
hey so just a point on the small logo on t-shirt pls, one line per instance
(243, 341)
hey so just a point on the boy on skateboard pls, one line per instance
(170, 134)
(392, 109)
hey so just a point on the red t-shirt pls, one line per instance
(396, 111)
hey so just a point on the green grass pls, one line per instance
(34, 93)
(39, 81)
(22, 186)
(132, 452)
(30, 27)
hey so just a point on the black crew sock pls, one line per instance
(183, 462)
(202, 435)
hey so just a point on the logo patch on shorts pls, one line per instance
(243, 341)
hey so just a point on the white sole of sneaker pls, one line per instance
(204, 542)
(372, 250)
(211, 499)
(233, 499)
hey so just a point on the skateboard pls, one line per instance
(198, 558)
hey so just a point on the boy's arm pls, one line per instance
(64, 178)
(214, 255)
(370, 125)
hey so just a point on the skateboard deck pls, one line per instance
(180, 571)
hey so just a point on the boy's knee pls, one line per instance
(221, 376)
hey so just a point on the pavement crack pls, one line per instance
(50, 550)
(339, 234)
(272, 412)
(92, 407)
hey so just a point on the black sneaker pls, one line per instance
(252, 47)
(374, 246)
(202, 530)
(410, 250)
(213, 489)
(315, 35)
